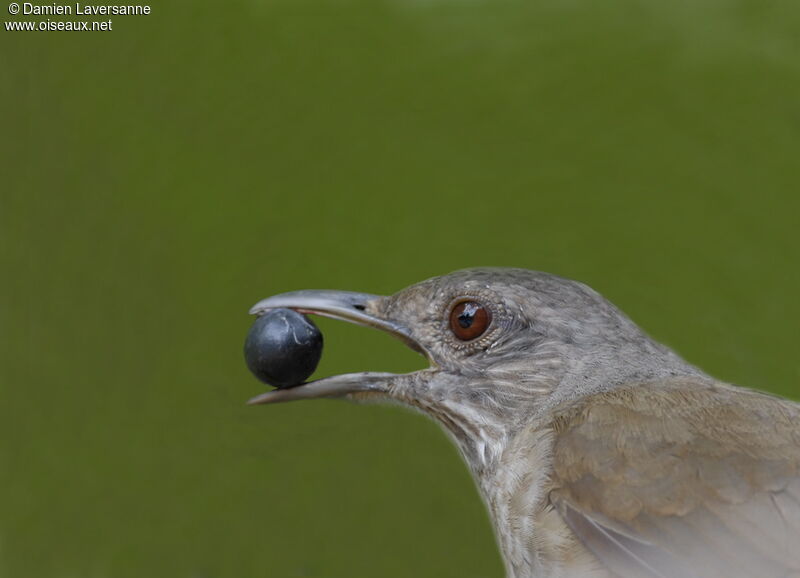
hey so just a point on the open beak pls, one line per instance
(346, 306)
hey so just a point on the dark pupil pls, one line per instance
(466, 317)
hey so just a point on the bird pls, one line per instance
(598, 451)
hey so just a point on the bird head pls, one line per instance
(503, 345)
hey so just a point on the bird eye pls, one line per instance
(469, 320)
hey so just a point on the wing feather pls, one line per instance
(682, 478)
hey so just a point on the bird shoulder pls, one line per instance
(678, 477)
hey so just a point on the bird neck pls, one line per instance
(533, 540)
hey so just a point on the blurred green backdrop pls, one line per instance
(159, 179)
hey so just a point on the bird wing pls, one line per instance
(682, 478)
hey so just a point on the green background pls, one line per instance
(159, 179)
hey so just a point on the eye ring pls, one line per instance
(469, 319)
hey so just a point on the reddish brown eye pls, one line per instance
(469, 320)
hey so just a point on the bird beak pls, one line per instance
(346, 306)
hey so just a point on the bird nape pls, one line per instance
(597, 450)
